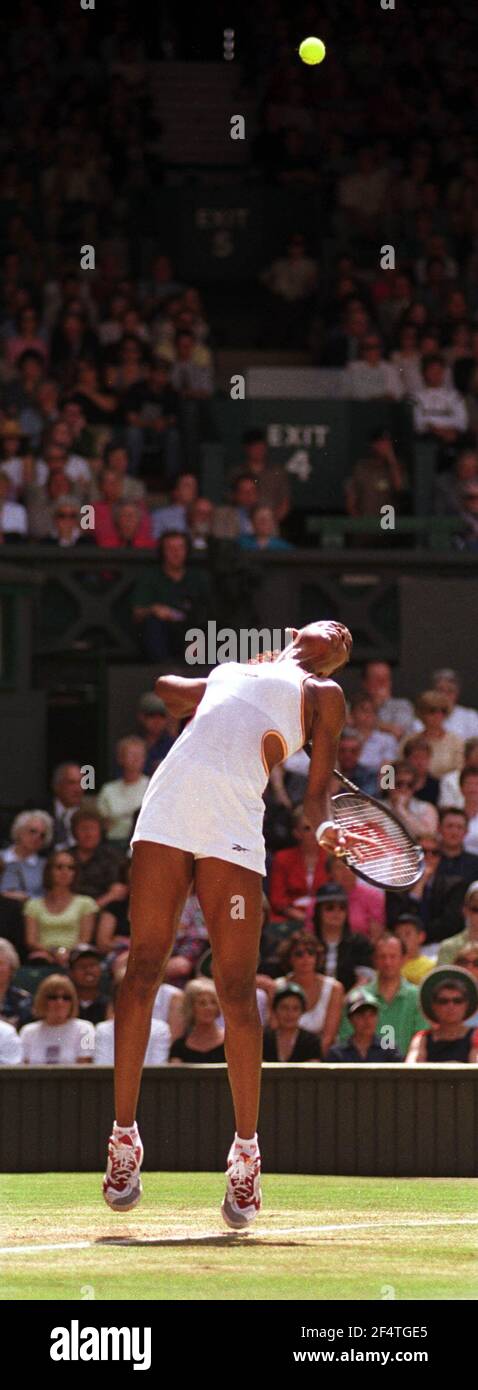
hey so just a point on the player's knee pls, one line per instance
(238, 999)
(145, 968)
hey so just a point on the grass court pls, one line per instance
(317, 1238)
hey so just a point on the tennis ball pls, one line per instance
(312, 51)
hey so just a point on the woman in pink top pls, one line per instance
(366, 905)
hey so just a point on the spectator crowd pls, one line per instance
(345, 972)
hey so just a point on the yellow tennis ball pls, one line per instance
(312, 51)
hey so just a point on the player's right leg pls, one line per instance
(160, 880)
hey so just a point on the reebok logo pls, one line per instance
(102, 1344)
(246, 851)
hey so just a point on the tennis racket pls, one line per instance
(394, 860)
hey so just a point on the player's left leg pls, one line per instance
(231, 900)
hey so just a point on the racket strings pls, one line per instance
(392, 857)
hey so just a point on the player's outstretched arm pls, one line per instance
(328, 724)
(180, 694)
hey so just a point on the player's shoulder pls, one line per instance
(326, 692)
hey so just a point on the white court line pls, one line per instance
(183, 1234)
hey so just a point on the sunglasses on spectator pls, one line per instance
(65, 514)
(450, 999)
(404, 782)
(68, 997)
(305, 951)
(329, 907)
(427, 849)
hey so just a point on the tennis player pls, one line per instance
(201, 820)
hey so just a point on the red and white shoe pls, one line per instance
(122, 1186)
(243, 1199)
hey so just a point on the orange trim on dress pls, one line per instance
(283, 742)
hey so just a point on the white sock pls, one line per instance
(249, 1145)
(125, 1129)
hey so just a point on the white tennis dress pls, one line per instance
(206, 795)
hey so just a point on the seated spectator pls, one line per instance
(467, 958)
(460, 720)
(417, 752)
(203, 1038)
(115, 460)
(175, 516)
(97, 864)
(412, 935)
(448, 492)
(436, 899)
(376, 749)
(98, 403)
(451, 946)
(10, 1046)
(290, 280)
(362, 192)
(371, 377)
(302, 960)
(439, 412)
(469, 788)
(297, 873)
(118, 800)
(350, 764)
(418, 817)
(343, 342)
(12, 923)
(58, 458)
(114, 929)
(170, 600)
(22, 866)
(61, 918)
(67, 795)
(271, 480)
(467, 533)
(66, 529)
(85, 972)
(42, 501)
(406, 359)
(59, 1037)
(129, 527)
(151, 410)
(288, 1041)
(447, 997)
(450, 790)
(364, 1044)
(13, 516)
(394, 714)
(159, 1042)
(235, 518)
(264, 532)
(155, 726)
(168, 1006)
(454, 859)
(378, 480)
(348, 955)
(15, 1003)
(365, 903)
(399, 1013)
(447, 749)
(200, 526)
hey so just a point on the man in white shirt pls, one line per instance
(157, 1051)
(461, 720)
(439, 410)
(13, 517)
(10, 1045)
(371, 377)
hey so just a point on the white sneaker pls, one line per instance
(122, 1186)
(243, 1199)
